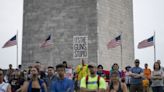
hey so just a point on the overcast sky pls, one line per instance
(148, 17)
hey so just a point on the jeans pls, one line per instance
(136, 88)
(157, 89)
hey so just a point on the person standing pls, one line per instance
(39, 66)
(116, 85)
(10, 72)
(136, 74)
(162, 68)
(127, 77)
(4, 87)
(62, 84)
(80, 72)
(157, 78)
(68, 70)
(100, 71)
(50, 77)
(92, 82)
(35, 84)
(115, 68)
(65, 64)
(146, 81)
(17, 81)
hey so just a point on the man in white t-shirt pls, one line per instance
(162, 68)
(4, 87)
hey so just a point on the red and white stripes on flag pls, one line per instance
(115, 42)
(146, 43)
(47, 42)
(11, 42)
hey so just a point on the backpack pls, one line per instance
(98, 81)
(40, 83)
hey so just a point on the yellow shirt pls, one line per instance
(82, 71)
(145, 82)
(92, 83)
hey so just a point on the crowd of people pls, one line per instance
(84, 78)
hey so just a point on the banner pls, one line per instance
(80, 46)
(69, 73)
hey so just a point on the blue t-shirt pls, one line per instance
(136, 70)
(49, 81)
(65, 85)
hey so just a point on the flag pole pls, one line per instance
(17, 50)
(154, 47)
(121, 51)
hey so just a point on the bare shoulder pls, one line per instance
(25, 86)
(9, 88)
(26, 83)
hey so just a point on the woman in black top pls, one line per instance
(35, 84)
(115, 84)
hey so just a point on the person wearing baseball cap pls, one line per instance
(92, 82)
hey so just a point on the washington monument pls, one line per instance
(79, 29)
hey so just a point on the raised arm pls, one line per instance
(25, 86)
(45, 87)
(9, 88)
(124, 87)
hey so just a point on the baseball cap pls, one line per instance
(137, 61)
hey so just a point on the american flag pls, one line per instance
(47, 42)
(146, 43)
(115, 42)
(11, 42)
